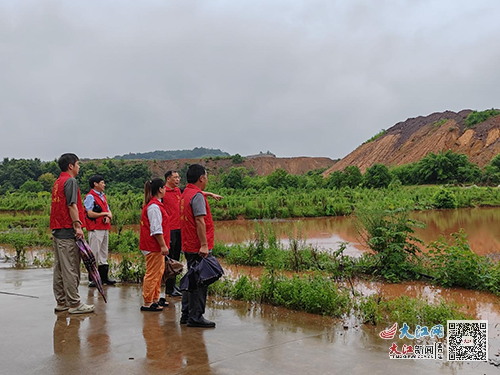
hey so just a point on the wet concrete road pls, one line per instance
(120, 339)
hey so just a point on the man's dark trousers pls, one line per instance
(194, 301)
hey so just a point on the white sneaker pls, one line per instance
(82, 309)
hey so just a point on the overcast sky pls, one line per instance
(298, 78)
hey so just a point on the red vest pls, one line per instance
(172, 204)
(97, 224)
(59, 211)
(190, 241)
(146, 240)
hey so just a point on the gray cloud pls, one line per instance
(314, 78)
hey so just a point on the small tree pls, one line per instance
(234, 179)
(47, 180)
(377, 176)
(237, 159)
(32, 186)
(352, 176)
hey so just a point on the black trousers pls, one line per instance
(174, 253)
(194, 302)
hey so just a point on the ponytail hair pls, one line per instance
(151, 188)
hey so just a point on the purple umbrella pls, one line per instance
(89, 261)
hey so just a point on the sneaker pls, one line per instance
(60, 308)
(92, 284)
(202, 323)
(184, 319)
(82, 309)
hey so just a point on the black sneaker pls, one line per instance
(92, 284)
(184, 319)
(202, 323)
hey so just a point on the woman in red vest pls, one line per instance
(154, 237)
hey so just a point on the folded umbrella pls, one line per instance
(204, 272)
(208, 270)
(90, 264)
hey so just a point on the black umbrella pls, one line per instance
(208, 270)
(90, 264)
(205, 272)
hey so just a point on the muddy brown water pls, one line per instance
(481, 225)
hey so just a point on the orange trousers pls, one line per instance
(155, 265)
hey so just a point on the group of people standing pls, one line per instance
(167, 213)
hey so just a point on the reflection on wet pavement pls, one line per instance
(249, 338)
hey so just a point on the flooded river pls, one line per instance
(480, 224)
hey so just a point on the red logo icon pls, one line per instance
(388, 334)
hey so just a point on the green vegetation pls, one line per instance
(476, 117)
(34, 176)
(196, 153)
(315, 294)
(378, 135)
(456, 264)
(376, 309)
(444, 198)
(377, 176)
(318, 294)
(443, 167)
(389, 233)
(438, 123)
(132, 267)
(237, 159)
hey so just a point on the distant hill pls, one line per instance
(411, 140)
(196, 153)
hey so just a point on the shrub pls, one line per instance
(132, 268)
(444, 199)
(376, 136)
(376, 309)
(237, 159)
(31, 186)
(377, 176)
(389, 233)
(476, 117)
(456, 264)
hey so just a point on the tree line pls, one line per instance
(445, 167)
(33, 175)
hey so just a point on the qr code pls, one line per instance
(467, 340)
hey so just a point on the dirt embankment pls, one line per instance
(262, 166)
(409, 141)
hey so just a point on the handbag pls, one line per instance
(172, 268)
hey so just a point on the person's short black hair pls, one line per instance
(95, 180)
(169, 173)
(194, 172)
(65, 160)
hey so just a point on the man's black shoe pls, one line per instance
(203, 323)
(184, 319)
(92, 284)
